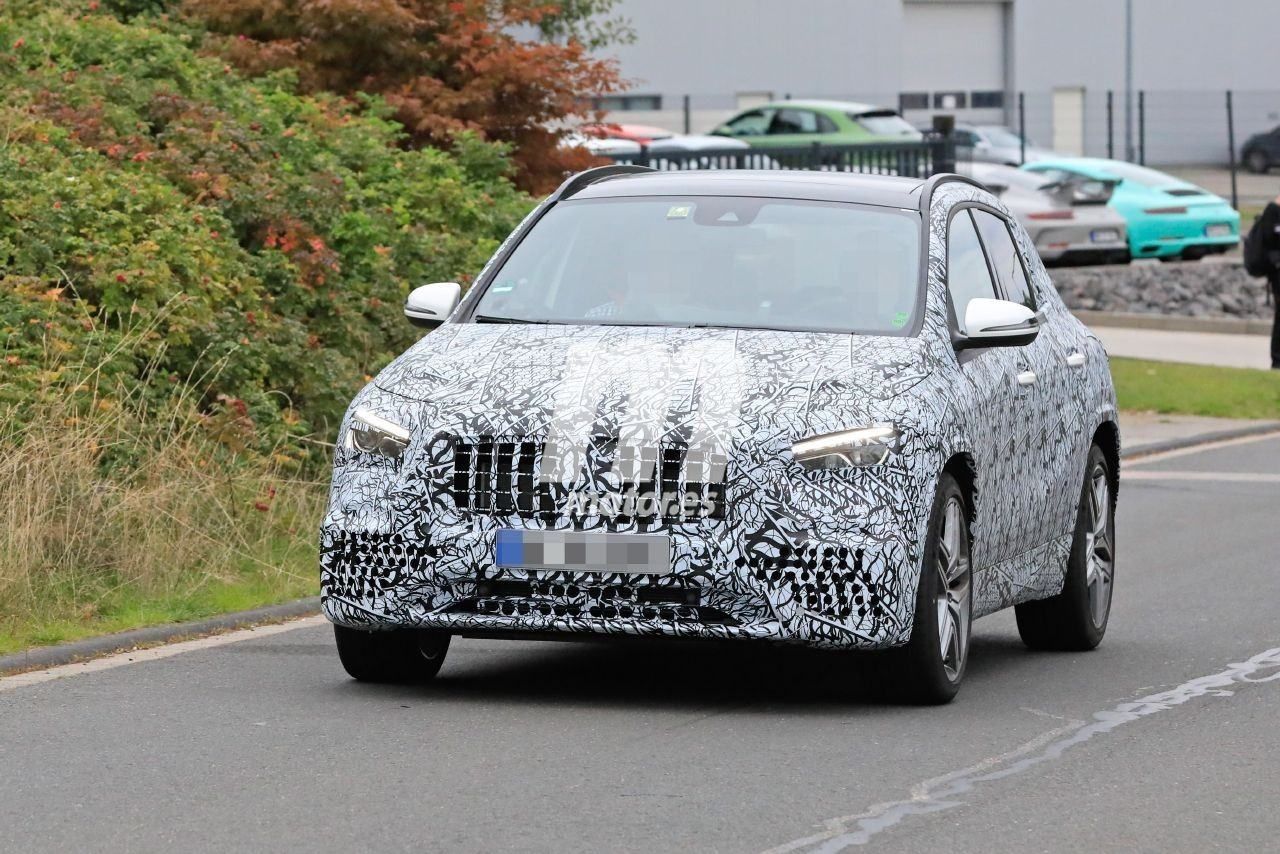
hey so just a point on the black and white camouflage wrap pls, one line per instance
(826, 558)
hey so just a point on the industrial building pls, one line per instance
(701, 60)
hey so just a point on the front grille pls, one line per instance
(671, 482)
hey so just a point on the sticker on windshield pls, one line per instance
(900, 319)
(679, 211)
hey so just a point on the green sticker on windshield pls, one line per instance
(679, 212)
(900, 319)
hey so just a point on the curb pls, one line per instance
(1174, 323)
(1151, 448)
(68, 653)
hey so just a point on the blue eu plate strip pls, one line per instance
(510, 548)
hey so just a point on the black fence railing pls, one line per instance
(916, 159)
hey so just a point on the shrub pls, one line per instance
(266, 236)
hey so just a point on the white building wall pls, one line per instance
(1187, 53)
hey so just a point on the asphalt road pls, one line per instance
(1167, 738)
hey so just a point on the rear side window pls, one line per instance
(968, 277)
(1005, 259)
(795, 121)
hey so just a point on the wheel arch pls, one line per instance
(964, 469)
(1107, 437)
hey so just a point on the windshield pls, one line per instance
(1002, 137)
(885, 123)
(713, 261)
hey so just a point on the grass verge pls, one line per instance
(1174, 388)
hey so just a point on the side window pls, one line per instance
(825, 125)
(794, 121)
(753, 123)
(967, 274)
(1005, 259)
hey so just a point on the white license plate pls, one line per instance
(1105, 235)
(1221, 230)
(583, 551)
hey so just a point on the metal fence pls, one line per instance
(933, 154)
(1160, 128)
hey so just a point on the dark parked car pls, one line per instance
(1262, 151)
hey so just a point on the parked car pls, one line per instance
(788, 124)
(1068, 221)
(1167, 217)
(997, 144)
(642, 134)
(837, 410)
(1261, 151)
(602, 146)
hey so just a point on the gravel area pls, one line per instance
(1192, 289)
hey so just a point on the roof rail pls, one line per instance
(576, 183)
(935, 181)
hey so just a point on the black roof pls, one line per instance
(882, 190)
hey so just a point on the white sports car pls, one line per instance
(838, 410)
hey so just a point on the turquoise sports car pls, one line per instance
(1167, 218)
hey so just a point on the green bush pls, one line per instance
(255, 245)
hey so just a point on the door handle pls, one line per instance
(1076, 359)
(1027, 378)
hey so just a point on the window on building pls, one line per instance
(627, 103)
(913, 101)
(988, 100)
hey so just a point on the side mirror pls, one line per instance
(997, 323)
(429, 305)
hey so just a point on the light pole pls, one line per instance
(1129, 152)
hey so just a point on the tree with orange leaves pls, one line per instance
(515, 71)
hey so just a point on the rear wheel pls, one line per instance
(1257, 162)
(1076, 619)
(399, 656)
(934, 661)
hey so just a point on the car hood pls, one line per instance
(520, 380)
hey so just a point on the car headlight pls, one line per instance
(865, 446)
(374, 434)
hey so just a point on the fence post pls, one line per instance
(687, 112)
(1022, 128)
(1111, 124)
(1231, 147)
(1142, 127)
(642, 159)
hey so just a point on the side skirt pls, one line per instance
(1037, 573)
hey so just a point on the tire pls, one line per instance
(930, 672)
(1257, 162)
(400, 656)
(1076, 619)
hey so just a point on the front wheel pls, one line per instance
(1257, 162)
(933, 662)
(398, 656)
(1076, 619)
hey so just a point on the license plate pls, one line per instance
(584, 551)
(1105, 235)
(1222, 230)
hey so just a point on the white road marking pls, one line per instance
(1194, 449)
(1225, 476)
(120, 659)
(942, 793)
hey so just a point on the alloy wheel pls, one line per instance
(1099, 547)
(953, 599)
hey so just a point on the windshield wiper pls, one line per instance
(489, 318)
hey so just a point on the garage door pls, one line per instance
(952, 51)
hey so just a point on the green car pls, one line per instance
(1167, 217)
(789, 124)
